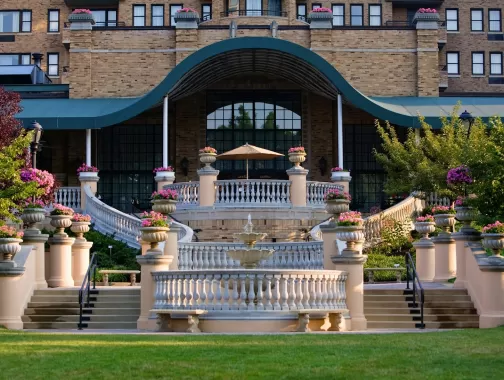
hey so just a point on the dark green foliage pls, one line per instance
(376, 260)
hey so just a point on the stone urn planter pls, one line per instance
(337, 206)
(445, 221)
(9, 247)
(187, 20)
(466, 215)
(164, 206)
(425, 228)
(297, 158)
(429, 17)
(30, 216)
(81, 17)
(83, 176)
(351, 235)
(495, 242)
(320, 20)
(165, 175)
(80, 228)
(60, 222)
(208, 159)
(154, 235)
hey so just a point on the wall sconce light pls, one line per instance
(184, 165)
(322, 165)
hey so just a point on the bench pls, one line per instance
(106, 272)
(332, 319)
(164, 318)
(370, 271)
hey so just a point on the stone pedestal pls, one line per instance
(37, 241)
(164, 178)
(445, 256)
(171, 246)
(92, 182)
(297, 176)
(329, 245)
(353, 264)
(150, 263)
(342, 179)
(425, 259)
(207, 177)
(461, 240)
(60, 271)
(10, 288)
(80, 260)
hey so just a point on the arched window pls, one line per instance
(267, 120)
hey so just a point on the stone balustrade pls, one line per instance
(315, 192)
(69, 197)
(251, 290)
(188, 194)
(288, 255)
(252, 193)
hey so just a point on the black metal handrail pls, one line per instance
(85, 289)
(254, 12)
(109, 24)
(418, 291)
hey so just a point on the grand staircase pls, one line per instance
(443, 309)
(110, 308)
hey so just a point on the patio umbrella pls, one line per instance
(249, 152)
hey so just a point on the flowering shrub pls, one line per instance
(87, 169)
(427, 10)
(350, 218)
(338, 169)
(165, 194)
(34, 204)
(61, 210)
(374, 210)
(297, 149)
(459, 176)
(185, 10)
(7, 232)
(208, 149)
(44, 180)
(163, 169)
(321, 9)
(332, 194)
(494, 228)
(426, 218)
(81, 11)
(436, 210)
(81, 218)
(155, 219)
(147, 215)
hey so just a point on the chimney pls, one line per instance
(39, 74)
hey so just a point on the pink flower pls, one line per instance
(297, 149)
(350, 218)
(426, 218)
(208, 149)
(7, 232)
(81, 11)
(81, 218)
(163, 169)
(338, 169)
(336, 194)
(442, 210)
(184, 10)
(494, 228)
(321, 9)
(154, 219)
(87, 169)
(427, 10)
(165, 194)
(61, 210)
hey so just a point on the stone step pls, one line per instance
(116, 305)
(427, 310)
(53, 311)
(447, 291)
(427, 318)
(377, 310)
(95, 304)
(119, 291)
(448, 304)
(123, 311)
(409, 297)
(428, 325)
(75, 318)
(58, 298)
(87, 325)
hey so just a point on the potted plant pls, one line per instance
(350, 228)
(9, 241)
(81, 15)
(33, 212)
(165, 172)
(465, 213)
(337, 201)
(61, 218)
(320, 18)
(444, 217)
(80, 225)
(207, 156)
(154, 229)
(297, 155)
(164, 201)
(87, 172)
(45, 181)
(187, 14)
(426, 14)
(493, 237)
(425, 225)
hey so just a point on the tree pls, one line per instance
(10, 127)
(269, 123)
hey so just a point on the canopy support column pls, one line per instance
(340, 132)
(165, 131)
(88, 147)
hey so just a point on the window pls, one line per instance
(14, 59)
(301, 12)
(254, 7)
(478, 63)
(138, 15)
(106, 17)
(494, 20)
(157, 12)
(356, 15)
(338, 11)
(476, 20)
(53, 20)
(53, 64)
(15, 21)
(452, 23)
(173, 12)
(375, 15)
(452, 63)
(495, 63)
(206, 12)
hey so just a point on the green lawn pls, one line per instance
(470, 354)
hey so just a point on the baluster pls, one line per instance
(210, 294)
(318, 292)
(224, 259)
(299, 291)
(188, 293)
(247, 189)
(288, 192)
(226, 195)
(273, 192)
(164, 300)
(251, 293)
(268, 192)
(253, 186)
(268, 294)
(260, 305)
(243, 292)
(225, 304)
(276, 292)
(234, 280)
(291, 292)
(332, 292)
(213, 253)
(324, 297)
(206, 261)
(218, 293)
(203, 295)
(233, 195)
(284, 296)
(306, 292)
(177, 292)
(262, 192)
(196, 290)
(313, 289)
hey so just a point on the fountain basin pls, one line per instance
(250, 238)
(250, 258)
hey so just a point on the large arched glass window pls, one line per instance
(267, 120)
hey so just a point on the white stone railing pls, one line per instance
(188, 194)
(69, 197)
(209, 255)
(434, 200)
(252, 290)
(315, 192)
(124, 227)
(252, 193)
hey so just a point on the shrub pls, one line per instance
(383, 261)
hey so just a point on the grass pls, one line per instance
(463, 354)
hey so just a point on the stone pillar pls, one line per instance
(425, 259)
(165, 131)
(461, 240)
(91, 180)
(445, 257)
(353, 264)
(164, 178)
(80, 260)
(330, 248)
(171, 246)
(150, 263)
(80, 39)
(37, 241)
(11, 287)
(60, 271)
(342, 179)
(207, 177)
(297, 176)
(427, 56)
(186, 38)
